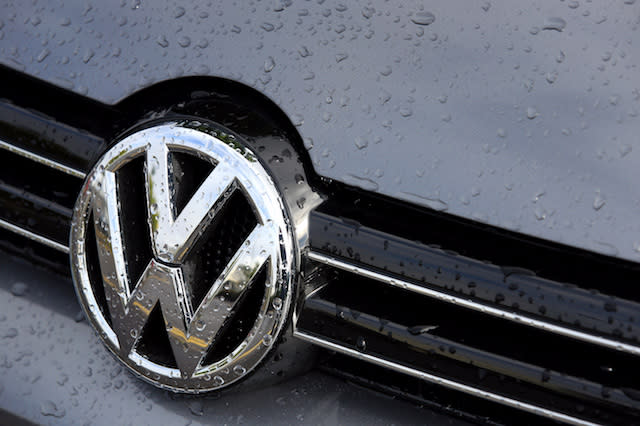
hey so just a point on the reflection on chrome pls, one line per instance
(192, 330)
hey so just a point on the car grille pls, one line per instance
(500, 333)
(402, 298)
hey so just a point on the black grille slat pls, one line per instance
(472, 337)
(550, 260)
(472, 348)
(508, 288)
(17, 207)
(36, 197)
(549, 325)
(49, 138)
(16, 244)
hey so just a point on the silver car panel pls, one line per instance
(521, 114)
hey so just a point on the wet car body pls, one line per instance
(473, 167)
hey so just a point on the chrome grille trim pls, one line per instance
(33, 236)
(534, 409)
(42, 160)
(470, 304)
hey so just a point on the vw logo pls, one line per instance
(182, 256)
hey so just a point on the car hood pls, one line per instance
(520, 114)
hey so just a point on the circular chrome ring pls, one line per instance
(191, 330)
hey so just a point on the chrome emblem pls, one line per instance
(204, 351)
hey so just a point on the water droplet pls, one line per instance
(384, 97)
(88, 54)
(432, 203)
(267, 27)
(368, 12)
(43, 55)
(386, 71)
(406, 112)
(19, 289)
(502, 132)
(49, 408)
(133, 333)
(599, 202)
(267, 340)
(341, 57)
(239, 370)
(486, 6)
(277, 303)
(269, 64)
(178, 12)
(554, 23)
(361, 344)
(196, 407)
(162, 41)
(297, 119)
(420, 329)
(304, 52)
(423, 18)
(624, 150)
(184, 41)
(361, 142)
(532, 113)
(540, 213)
